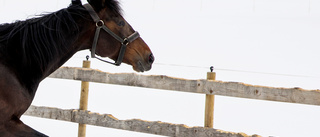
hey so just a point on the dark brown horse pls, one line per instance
(31, 50)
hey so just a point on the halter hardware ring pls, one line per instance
(125, 41)
(100, 23)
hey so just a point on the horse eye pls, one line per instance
(121, 23)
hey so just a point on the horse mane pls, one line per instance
(39, 40)
(28, 47)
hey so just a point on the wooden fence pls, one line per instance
(209, 87)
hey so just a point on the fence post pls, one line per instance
(84, 99)
(209, 108)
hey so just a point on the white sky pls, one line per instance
(274, 36)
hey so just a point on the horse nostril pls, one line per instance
(151, 58)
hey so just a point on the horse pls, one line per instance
(32, 49)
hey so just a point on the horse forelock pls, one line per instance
(114, 6)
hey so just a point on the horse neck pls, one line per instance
(31, 73)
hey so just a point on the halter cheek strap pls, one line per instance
(100, 25)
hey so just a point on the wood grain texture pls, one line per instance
(137, 125)
(84, 95)
(232, 89)
(209, 104)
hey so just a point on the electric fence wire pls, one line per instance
(242, 71)
(232, 70)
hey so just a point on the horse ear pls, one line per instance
(76, 2)
(97, 4)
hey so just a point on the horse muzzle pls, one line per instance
(144, 65)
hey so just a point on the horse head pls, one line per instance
(115, 38)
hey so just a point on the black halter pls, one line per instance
(100, 25)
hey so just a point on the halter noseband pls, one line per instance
(100, 25)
